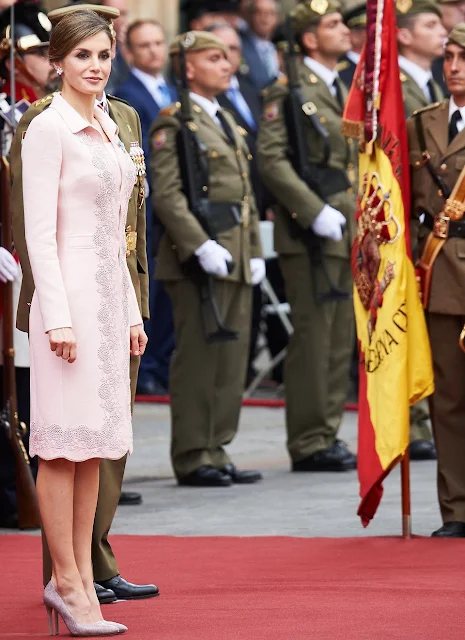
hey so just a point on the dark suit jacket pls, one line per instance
(438, 74)
(257, 71)
(346, 69)
(252, 97)
(134, 92)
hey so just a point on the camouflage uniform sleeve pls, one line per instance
(275, 168)
(169, 203)
(141, 248)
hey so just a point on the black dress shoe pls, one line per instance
(336, 458)
(124, 590)
(150, 387)
(241, 477)
(422, 450)
(450, 530)
(105, 596)
(206, 476)
(130, 498)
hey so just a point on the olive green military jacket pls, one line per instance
(448, 281)
(294, 196)
(414, 98)
(129, 131)
(229, 181)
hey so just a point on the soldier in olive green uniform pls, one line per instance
(420, 36)
(355, 18)
(440, 241)
(206, 380)
(318, 360)
(106, 571)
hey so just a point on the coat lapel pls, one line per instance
(436, 124)
(310, 79)
(208, 122)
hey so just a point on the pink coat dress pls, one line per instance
(76, 191)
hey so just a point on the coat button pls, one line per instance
(214, 154)
(205, 188)
(250, 157)
(417, 163)
(322, 119)
(174, 247)
(238, 152)
(293, 216)
(443, 167)
(244, 175)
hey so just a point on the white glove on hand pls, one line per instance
(9, 269)
(329, 223)
(258, 270)
(213, 257)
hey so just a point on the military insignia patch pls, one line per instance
(403, 6)
(271, 111)
(160, 139)
(319, 6)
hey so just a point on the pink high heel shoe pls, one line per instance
(54, 604)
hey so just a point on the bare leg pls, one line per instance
(55, 491)
(86, 484)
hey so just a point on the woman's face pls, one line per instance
(87, 67)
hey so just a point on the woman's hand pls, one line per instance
(138, 340)
(63, 342)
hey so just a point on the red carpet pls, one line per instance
(264, 588)
(272, 403)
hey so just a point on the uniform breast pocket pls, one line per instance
(81, 242)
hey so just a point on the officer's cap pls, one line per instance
(309, 13)
(197, 41)
(32, 29)
(109, 13)
(415, 7)
(457, 36)
(356, 17)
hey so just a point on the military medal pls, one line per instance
(137, 156)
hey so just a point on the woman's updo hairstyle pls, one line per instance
(72, 29)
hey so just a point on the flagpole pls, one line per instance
(405, 486)
(12, 66)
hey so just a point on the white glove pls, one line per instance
(257, 270)
(329, 223)
(213, 257)
(9, 269)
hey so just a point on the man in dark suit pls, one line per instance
(257, 47)
(147, 91)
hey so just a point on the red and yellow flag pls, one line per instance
(395, 357)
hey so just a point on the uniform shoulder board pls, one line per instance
(242, 131)
(46, 100)
(427, 108)
(109, 95)
(170, 110)
(342, 65)
(403, 77)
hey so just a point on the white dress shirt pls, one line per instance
(153, 84)
(323, 72)
(353, 56)
(452, 108)
(211, 107)
(420, 76)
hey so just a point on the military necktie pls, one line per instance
(453, 130)
(225, 125)
(432, 90)
(337, 88)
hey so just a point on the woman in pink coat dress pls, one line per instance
(84, 318)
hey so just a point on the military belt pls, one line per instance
(222, 216)
(443, 227)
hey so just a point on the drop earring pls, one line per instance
(59, 71)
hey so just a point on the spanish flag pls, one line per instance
(395, 358)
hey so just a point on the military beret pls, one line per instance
(109, 13)
(415, 7)
(457, 35)
(356, 17)
(197, 41)
(310, 12)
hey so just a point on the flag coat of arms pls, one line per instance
(395, 356)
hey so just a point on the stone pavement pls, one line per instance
(283, 504)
